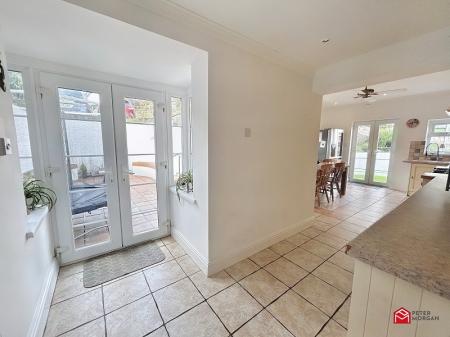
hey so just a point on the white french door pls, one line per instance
(140, 129)
(107, 164)
(372, 151)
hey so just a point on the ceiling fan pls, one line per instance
(369, 92)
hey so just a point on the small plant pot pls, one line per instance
(29, 204)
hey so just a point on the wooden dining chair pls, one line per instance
(327, 171)
(319, 180)
(335, 179)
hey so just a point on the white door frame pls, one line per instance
(372, 150)
(119, 93)
(56, 167)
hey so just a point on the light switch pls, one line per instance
(247, 132)
(5, 146)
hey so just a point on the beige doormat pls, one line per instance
(116, 264)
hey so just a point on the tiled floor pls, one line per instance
(300, 286)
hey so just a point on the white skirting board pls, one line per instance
(212, 267)
(254, 247)
(198, 258)
(377, 294)
(37, 325)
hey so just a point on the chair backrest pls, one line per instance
(338, 171)
(326, 170)
(328, 160)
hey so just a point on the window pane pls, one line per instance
(17, 93)
(83, 138)
(177, 139)
(21, 123)
(23, 136)
(78, 102)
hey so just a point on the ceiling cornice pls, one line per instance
(200, 24)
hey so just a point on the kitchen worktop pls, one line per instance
(427, 161)
(413, 241)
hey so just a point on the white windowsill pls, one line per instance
(34, 220)
(189, 197)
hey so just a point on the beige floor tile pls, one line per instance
(68, 287)
(311, 232)
(321, 294)
(167, 255)
(296, 314)
(211, 285)
(198, 322)
(264, 287)
(318, 248)
(331, 240)
(234, 306)
(175, 249)
(332, 329)
(328, 219)
(342, 233)
(163, 275)
(188, 265)
(168, 240)
(124, 291)
(304, 259)
(263, 325)
(282, 247)
(322, 226)
(351, 227)
(161, 332)
(92, 329)
(66, 315)
(342, 315)
(175, 299)
(286, 271)
(242, 269)
(134, 320)
(264, 257)
(343, 260)
(70, 269)
(335, 276)
(297, 239)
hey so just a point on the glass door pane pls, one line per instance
(85, 169)
(384, 142)
(361, 149)
(140, 132)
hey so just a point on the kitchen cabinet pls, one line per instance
(415, 176)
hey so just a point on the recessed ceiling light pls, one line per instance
(384, 94)
(335, 103)
(325, 40)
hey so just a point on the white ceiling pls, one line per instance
(57, 31)
(294, 28)
(435, 82)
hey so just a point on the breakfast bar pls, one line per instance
(401, 284)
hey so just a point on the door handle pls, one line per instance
(125, 174)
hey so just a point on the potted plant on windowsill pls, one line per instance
(185, 183)
(37, 195)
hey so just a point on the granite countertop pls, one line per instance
(413, 241)
(427, 161)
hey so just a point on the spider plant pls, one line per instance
(37, 195)
(184, 183)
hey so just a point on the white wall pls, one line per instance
(262, 186)
(26, 265)
(424, 54)
(423, 107)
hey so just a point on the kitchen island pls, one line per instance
(402, 264)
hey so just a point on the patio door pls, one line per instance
(141, 136)
(107, 165)
(372, 151)
(82, 165)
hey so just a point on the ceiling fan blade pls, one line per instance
(392, 90)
